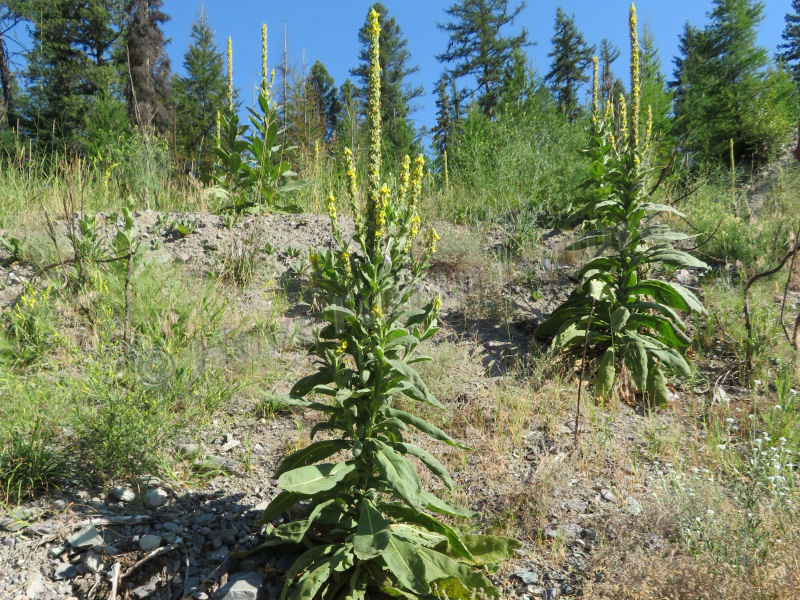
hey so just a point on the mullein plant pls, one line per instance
(252, 168)
(630, 320)
(370, 526)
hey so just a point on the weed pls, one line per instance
(28, 463)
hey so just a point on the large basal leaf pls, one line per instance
(490, 549)
(306, 384)
(427, 459)
(436, 504)
(673, 294)
(315, 578)
(373, 533)
(606, 374)
(439, 566)
(313, 479)
(280, 504)
(311, 454)
(411, 515)
(657, 387)
(404, 561)
(302, 563)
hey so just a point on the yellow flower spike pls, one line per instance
(330, 206)
(609, 112)
(446, 174)
(437, 303)
(404, 178)
(374, 128)
(342, 347)
(623, 118)
(648, 127)
(416, 181)
(415, 223)
(595, 101)
(230, 74)
(635, 83)
(219, 129)
(377, 311)
(380, 216)
(264, 72)
(348, 269)
(352, 188)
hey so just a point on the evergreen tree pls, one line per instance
(148, 84)
(516, 85)
(608, 54)
(348, 122)
(654, 90)
(719, 80)
(570, 56)
(444, 117)
(396, 93)
(327, 98)
(790, 48)
(74, 57)
(476, 48)
(11, 14)
(197, 98)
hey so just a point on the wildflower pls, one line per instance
(345, 257)
(404, 178)
(635, 83)
(623, 116)
(446, 174)
(313, 258)
(416, 181)
(415, 223)
(595, 104)
(219, 129)
(342, 347)
(264, 81)
(330, 206)
(230, 74)
(437, 303)
(377, 311)
(648, 127)
(374, 128)
(380, 216)
(352, 188)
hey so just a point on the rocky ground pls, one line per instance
(171, 539)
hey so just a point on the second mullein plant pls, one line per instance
(629, 318)
(369, 525)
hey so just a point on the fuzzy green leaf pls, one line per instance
(313, 479)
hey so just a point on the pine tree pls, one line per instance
(11, 14)
(570, 56)
(516, 86)
(444, 117)
(147, 91)
(718, 81)
(73, 59)
(789, 50)
(397, 94)
(608, 54)
(655, 93)
(198, 97)
(327, 98)
(348, 122)
(476, 48)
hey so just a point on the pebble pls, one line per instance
(241, 586)
(551, 594)
(65, 571)
(85, 538)
(633, 506)
(149, 542)
(608, 496)
(93, 562)
(528, 577)
(155, 497)
(123, 493)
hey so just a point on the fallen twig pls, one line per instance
(153, 554)
(114, 581)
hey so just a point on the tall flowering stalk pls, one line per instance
(370, 528)
(629, 321)
(230, 74)
(374, 128)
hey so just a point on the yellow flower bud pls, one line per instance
(230, 74)
(635, 83)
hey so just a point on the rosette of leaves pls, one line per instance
(370, 528)
(631, 320)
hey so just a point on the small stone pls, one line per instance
(590, 534)
(60, 504)
(85, 538)
(551, 594)
(608, 496)
(219, 554)
(58, 550)
(188, 449)
(123, 493)
(578, 507)
(633, 506)
(155, 497)
(93, 562)
(242, 586)
(146, 590)
(65, 571)
(9, 541)
(528, 577)
(149, 542)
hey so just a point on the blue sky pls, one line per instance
(327, 29)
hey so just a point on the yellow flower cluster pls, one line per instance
(230, 74)
(415, 223)
(404, 178)
(345, 257)
(352, 187)
(377, 311)
(648, 127)
(595, 101)
(330, 206)
(635, 83)
(342, 347)
(446, 174)
(374, 128)
(264, 79)
(437, 303)
(623, 117)
(416, 181)
(219, 128)
(380, 211)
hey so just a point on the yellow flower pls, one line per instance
(352, 188)
(404, 178)
(219, 129)
(377, 311)
(649, 126)
(416, 181)
(595, 104)
(264, 72)
(342, 347)
(437, 303)
(230, 74)
(415, 223)
(623, 117)
(345, 256)
(380, 216)
(635, 83)
(374, 128)
(313, 258)
(330, 206)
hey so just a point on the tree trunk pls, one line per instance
(5, 81)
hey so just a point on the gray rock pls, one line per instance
(123, 493)
(149, 542)
(155, 497)
(528, 577)
(242, 586)
(188, 449)
(551, 594)
(578, 507)
(57, 550)
(633, 507)
(85, 538)
(608, 496)
(146, 590)
(35, 587)
(9, 541)
(65, 571)
(218, 554)
(94, 562)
